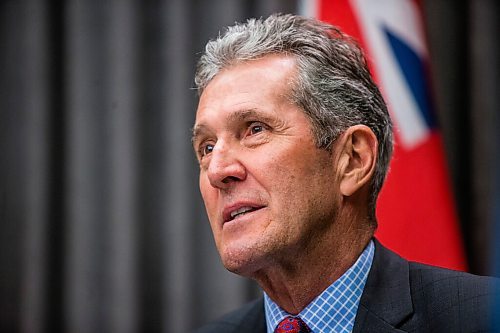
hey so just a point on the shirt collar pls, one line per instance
(334, 310)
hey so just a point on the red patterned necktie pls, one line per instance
(292, 325)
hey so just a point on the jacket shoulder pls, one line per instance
(444, 285)
(446, 298)
(447, 280)
(415, 297)
(248, 318)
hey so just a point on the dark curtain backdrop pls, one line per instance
(463, 41)
(102, 228)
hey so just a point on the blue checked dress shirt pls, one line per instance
(334, 310)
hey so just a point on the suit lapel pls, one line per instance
(386, 301)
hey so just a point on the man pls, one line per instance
(294, 140)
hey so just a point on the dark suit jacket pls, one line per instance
(399, 296)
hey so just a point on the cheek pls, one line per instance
(209, 195)
(303, 185)
(285, 180)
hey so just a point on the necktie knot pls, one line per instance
(292, 325)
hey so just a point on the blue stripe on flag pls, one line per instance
(413, 70)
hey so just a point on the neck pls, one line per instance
(293, 282)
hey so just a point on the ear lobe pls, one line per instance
(360, 148)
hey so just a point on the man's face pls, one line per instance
(268, 190)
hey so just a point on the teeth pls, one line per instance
(240, 211)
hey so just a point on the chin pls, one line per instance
(243, 262)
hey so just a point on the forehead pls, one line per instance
(250, 85)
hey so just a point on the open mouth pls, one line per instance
(234, 214)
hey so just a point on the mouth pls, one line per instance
(233, 213)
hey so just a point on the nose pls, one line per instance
(225, 168)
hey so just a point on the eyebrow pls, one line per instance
(237, 116)
(245, 114)
(197, 131)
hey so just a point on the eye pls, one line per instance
(205, 149)
(256, 127)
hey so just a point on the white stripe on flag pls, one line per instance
(308, 8)
(402, 19)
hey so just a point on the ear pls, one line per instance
(358, 156)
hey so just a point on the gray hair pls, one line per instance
(333, 85)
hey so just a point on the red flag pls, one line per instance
(415, 210)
